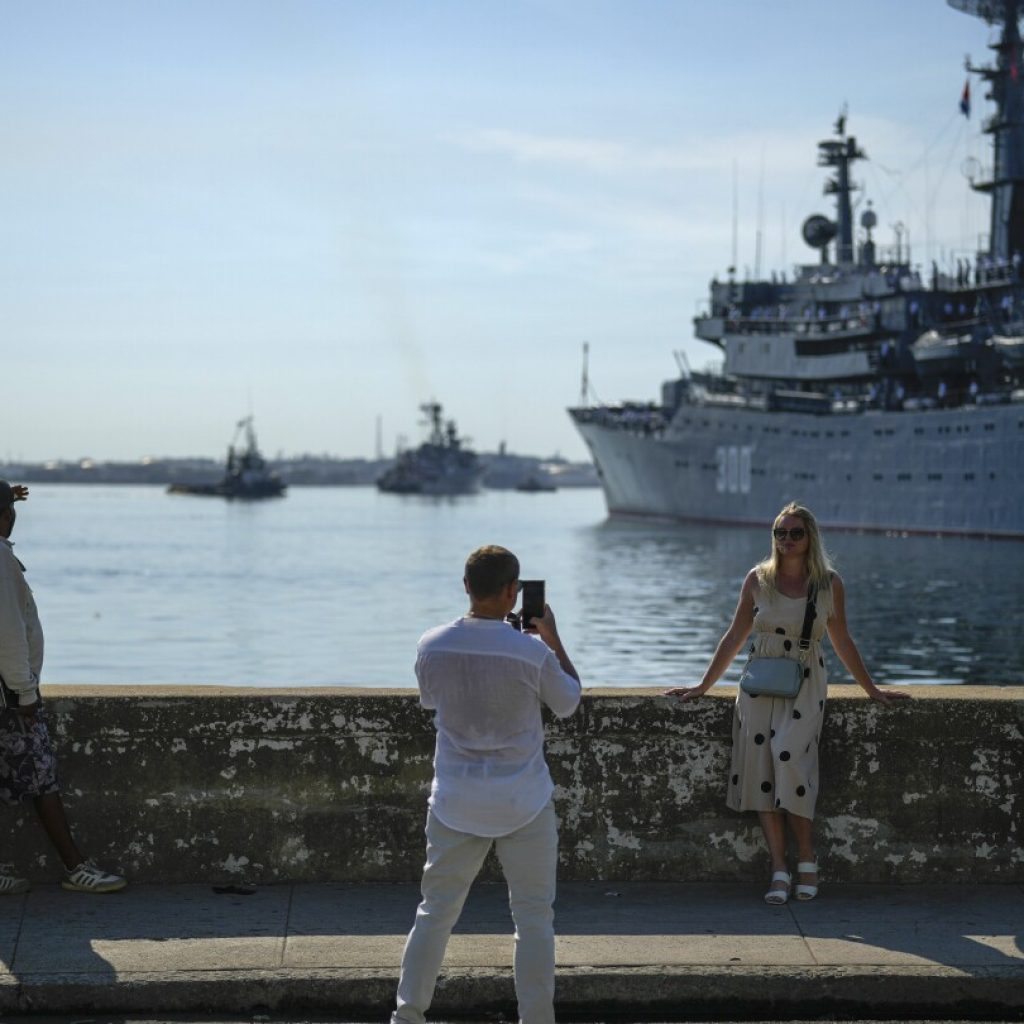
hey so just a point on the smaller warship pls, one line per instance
(246, 474)
(442, 465)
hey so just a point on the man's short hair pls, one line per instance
(6, 495)
(489, 569)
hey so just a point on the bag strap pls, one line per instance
(809, 615)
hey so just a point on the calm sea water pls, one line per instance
(333, 586)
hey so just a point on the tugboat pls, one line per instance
(442, 465)
(246, 474)
(883, 401)
(536, 483)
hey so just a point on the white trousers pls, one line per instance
(528, 857)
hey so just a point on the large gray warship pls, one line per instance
(885, 397)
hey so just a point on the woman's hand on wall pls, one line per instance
(687, 693)
(886, 697)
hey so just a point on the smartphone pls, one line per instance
(533, 601)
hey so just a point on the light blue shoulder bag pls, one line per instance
(780, 677)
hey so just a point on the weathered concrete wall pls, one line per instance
(200, 784)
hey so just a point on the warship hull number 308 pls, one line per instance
(887, 397)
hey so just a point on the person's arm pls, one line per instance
(846, 649)
(427, 701)
(560, 687)
(547, 629)
(728, 647)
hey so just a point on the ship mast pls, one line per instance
(840, 153)
(1006, 88)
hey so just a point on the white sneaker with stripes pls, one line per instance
(89, 878)
(10, 884)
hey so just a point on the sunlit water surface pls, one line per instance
(333, 586)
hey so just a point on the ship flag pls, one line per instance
(965, 99)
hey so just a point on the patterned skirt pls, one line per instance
(28, 765)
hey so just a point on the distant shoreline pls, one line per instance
(504, 471)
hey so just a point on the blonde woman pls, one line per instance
(775, 740)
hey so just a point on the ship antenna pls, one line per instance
(735, 216)
(587, 391)
(760, 219)
(841, 121)
(783, 238)
(897, 229)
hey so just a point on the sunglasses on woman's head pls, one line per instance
(781, 533)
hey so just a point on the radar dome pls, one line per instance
(818, 231)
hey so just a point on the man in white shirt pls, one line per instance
(487, 683)
(28, 767)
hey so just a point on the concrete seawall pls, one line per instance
(179, 784)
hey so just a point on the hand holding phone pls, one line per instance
(533, 602)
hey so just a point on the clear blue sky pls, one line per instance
(336, 210)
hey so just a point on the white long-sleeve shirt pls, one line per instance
(487, 682)
(21, 635)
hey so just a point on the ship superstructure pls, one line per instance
(883, 395)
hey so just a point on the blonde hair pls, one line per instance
(819, 564)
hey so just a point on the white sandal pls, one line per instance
(777, 897)
(803, 891)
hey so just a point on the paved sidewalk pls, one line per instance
(635, 950)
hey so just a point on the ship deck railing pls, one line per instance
(722, 401)
(984, 274)
(648, 421)
(638, 419)
(851, 325)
